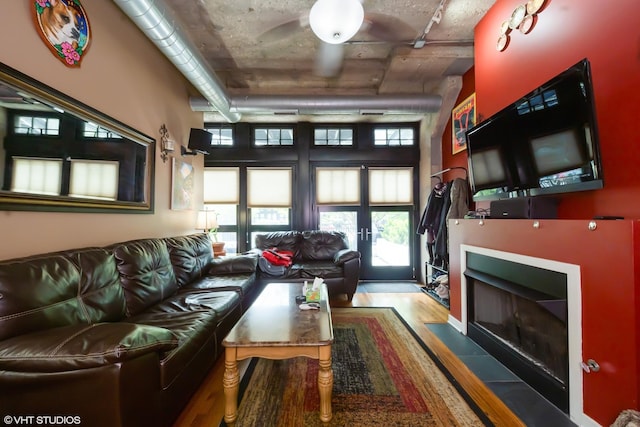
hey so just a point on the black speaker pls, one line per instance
(200, 141)
(525, 208)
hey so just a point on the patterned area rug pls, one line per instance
(382, 376)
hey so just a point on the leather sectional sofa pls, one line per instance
(316, 253)
(117, 336)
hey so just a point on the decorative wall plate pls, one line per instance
(527, 24)
(504, 28)
(63, 26)
(502, 42)
(533, 6)
(517, 16)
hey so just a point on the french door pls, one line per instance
(382, 233)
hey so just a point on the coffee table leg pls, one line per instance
(230, 382)
(325, 383)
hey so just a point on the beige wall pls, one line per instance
(125, 76)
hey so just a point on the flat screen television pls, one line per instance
(544, 143)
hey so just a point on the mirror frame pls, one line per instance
(38, 202)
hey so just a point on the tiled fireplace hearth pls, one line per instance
(598, 262)
(525, 311)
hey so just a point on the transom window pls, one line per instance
(32, 125)
(273, 137)
(333, 136)
(393, 137)
(222, 135)
(92, 130)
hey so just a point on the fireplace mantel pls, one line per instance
(608, 259)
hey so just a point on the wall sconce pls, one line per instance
(166, 144)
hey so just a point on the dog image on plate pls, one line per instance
(64, 26)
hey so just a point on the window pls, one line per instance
(31, 125)
(222, 185)
(269, 187)
(94, 179)
(273, 137)
(92, 130)
(390, 186)
(222, 195)
(269, 198)
(222, 135)
(37, 176)
(393, 137)
(338, 186)
(332, 136)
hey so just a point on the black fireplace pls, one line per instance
(518, 313)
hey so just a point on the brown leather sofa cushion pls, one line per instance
(322, 245)
(59, 289)
(234, 265)
(189, 256)
(146, 273)
(283, 240)
(82, 346)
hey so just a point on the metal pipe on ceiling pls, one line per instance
(157, 22)
(319, 104)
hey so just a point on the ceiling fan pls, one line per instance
(335, 22)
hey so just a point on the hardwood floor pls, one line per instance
(206, 408)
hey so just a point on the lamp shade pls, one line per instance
(336, 21)
(207, 219)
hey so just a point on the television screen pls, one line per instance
(557, 152)
(200, 140)
(544, 143)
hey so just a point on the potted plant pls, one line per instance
(208, 221)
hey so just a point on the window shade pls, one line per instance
(391, 186)
(222, 185)
(39, 176)
(269, 187)
(95, 179)
(338, 186)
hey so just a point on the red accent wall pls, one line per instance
(565, 31)
(608, 35)
(610, 274)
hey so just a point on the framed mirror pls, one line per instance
(58, 154)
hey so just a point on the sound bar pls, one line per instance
(525, 208)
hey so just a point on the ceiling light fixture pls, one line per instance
(336, 21)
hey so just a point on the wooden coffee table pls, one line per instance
(274, 327)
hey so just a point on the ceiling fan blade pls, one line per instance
(329, 59)
(284, 30)
(387, 28)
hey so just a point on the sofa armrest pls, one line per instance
(345, 255)
(246, 263)
(82, 346)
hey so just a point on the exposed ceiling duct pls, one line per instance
(292, 104)
(157, 22)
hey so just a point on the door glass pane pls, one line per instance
(345, 221)
(390, 238)
(270, 216)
